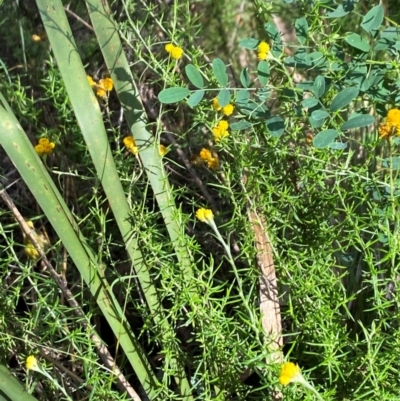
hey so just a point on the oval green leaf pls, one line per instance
(240, 125)
(242, 96)
(276, 126)
(343, 98)
(319, 114)
(309, 103)
(358, 42)
(272, 32)
(263, 72)
(372, 21)
(319, 86)
(301, 26)
(324, 138)
(196, 98)
(219, 69)
(245, 78)
(194, 76)
(339, 12)
(337, 145)
(249, 43)
(173, 95)
(224, 97)
(358, 121)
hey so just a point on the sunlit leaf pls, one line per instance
(224, 97)
(343, 98)
(358, 42)
(173, 95)
(240, 125)
(245, 78)
(358, 121)
(373, 19)
(301, 26)
(249, 43)
(276, 126)
(324, 138)
(195, 98)
(263, 72)
(194, 76)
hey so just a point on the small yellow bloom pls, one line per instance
(290, 373)
(221, 130)
(205, 154)
(130, 144)
(101, 92)
(169, 47)
(107, 84)
(176, 52)
(162, 150)
(205, 215)
(32, 363)
(213, 163)
(44, 147)
(216, 105)
(263, 47)
(391, 126)
(228, 109)
(30, 249)
(262, 56)
(90, 80)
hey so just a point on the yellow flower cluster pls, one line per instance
(163, 150)
(205, 215)
(220, 131)
(130, 144)
(290, 372)
(391, 126)
(102, 87)
(263, 50)
(207, 157)
(226, 110)
(44, 147)
(175, 52)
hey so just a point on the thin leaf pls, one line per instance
(196, 98)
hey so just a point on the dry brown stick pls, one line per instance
(103, 352)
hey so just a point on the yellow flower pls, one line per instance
(290, 373)
(162, 150)
(392, 125)
(213, 163)
(228, 109)
(262, 56)
(221, 130)
(263, 47)
(32, 363)
(101, 92)
(44, 147)
(216, 105)
(176, 52)
(130, 144)
(90, 80)
(205, 215)
(169, 47)
(107, 84)
(30, 249)
(205, 154)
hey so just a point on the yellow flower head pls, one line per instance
(44, 147)
(221, 130)
(162, 150)
(130, 144)
(216, 105)
(263, 47)
(107, 84)
(392, 125)
(101, 92)
(32, 363)
(228, 109)
(205, 154)
(169, 47)
(290, 373)
(176, 52)
(30, 249)
(213, 163)
(262, 56)
(205, 215)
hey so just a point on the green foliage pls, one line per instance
(181, 298)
